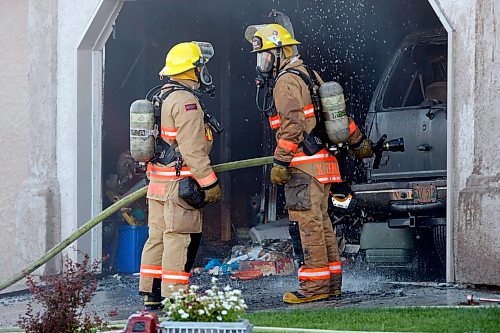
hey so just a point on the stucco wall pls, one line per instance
(72, 24)
(476, 122)
(477, 232)
(14, 123)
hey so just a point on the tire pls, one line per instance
(439, 237)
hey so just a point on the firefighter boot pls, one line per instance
(152, 301)
(294, 297)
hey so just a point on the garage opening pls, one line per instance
(356, 43)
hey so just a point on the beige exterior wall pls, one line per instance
(39, 177)
(14, 123)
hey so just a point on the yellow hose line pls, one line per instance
(111, 210)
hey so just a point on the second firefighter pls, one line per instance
(301, 161)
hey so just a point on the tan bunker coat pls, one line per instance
(307, 191)
(174, 226)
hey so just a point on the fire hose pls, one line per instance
(253, 162)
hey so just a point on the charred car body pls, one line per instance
(400, 214)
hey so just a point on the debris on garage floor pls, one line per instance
(271, 257)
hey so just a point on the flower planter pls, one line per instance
(243, 326)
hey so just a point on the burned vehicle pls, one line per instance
(399, 219)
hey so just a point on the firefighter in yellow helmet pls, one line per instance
(302, 161)
(182, 180)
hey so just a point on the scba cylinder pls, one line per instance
(142, 130)
(334, 113)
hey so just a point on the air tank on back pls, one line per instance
(142, 130)
(334, 113)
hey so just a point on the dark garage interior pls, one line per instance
(346, 41)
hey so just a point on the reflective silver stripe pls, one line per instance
(275, 122)
(336, 267)
(151, 271)
(314, 157)
(175, 277)
(310, 274)
(308, 111)
(323, 179)
(174, 134)
(170, 173)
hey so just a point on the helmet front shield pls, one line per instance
(206, 50)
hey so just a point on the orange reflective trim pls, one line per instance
(308, 110)
(162, 173)
(175, 277)
(168, 133)
(151, 267)
(335, 267)
(208, 180)
(352, 126)
(329, 179)
(287, 145)
(275, 122)
(314, 273)
(151, 271)
(322, 156)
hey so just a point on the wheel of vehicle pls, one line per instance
(439, 237)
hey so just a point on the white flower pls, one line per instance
(181, 311)
(224, 312)
(219, 318)
(233, 299)
(214, 280)
(201, 312)
(185, 315)
(194, 287)
(227, 288)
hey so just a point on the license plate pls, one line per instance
(424, 193)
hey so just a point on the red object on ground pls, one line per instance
(143, 321)
(247, 275)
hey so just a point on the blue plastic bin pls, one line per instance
(132, 239)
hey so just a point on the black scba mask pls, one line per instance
(266, 76)
(206, 81)
(204, 78)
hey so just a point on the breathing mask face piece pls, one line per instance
(205, 80)
(265, 61)
(205, 77)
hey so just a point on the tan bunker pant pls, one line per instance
(174, 238)
(307, 204)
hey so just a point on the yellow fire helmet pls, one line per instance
(268, 36)
(185, 56)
